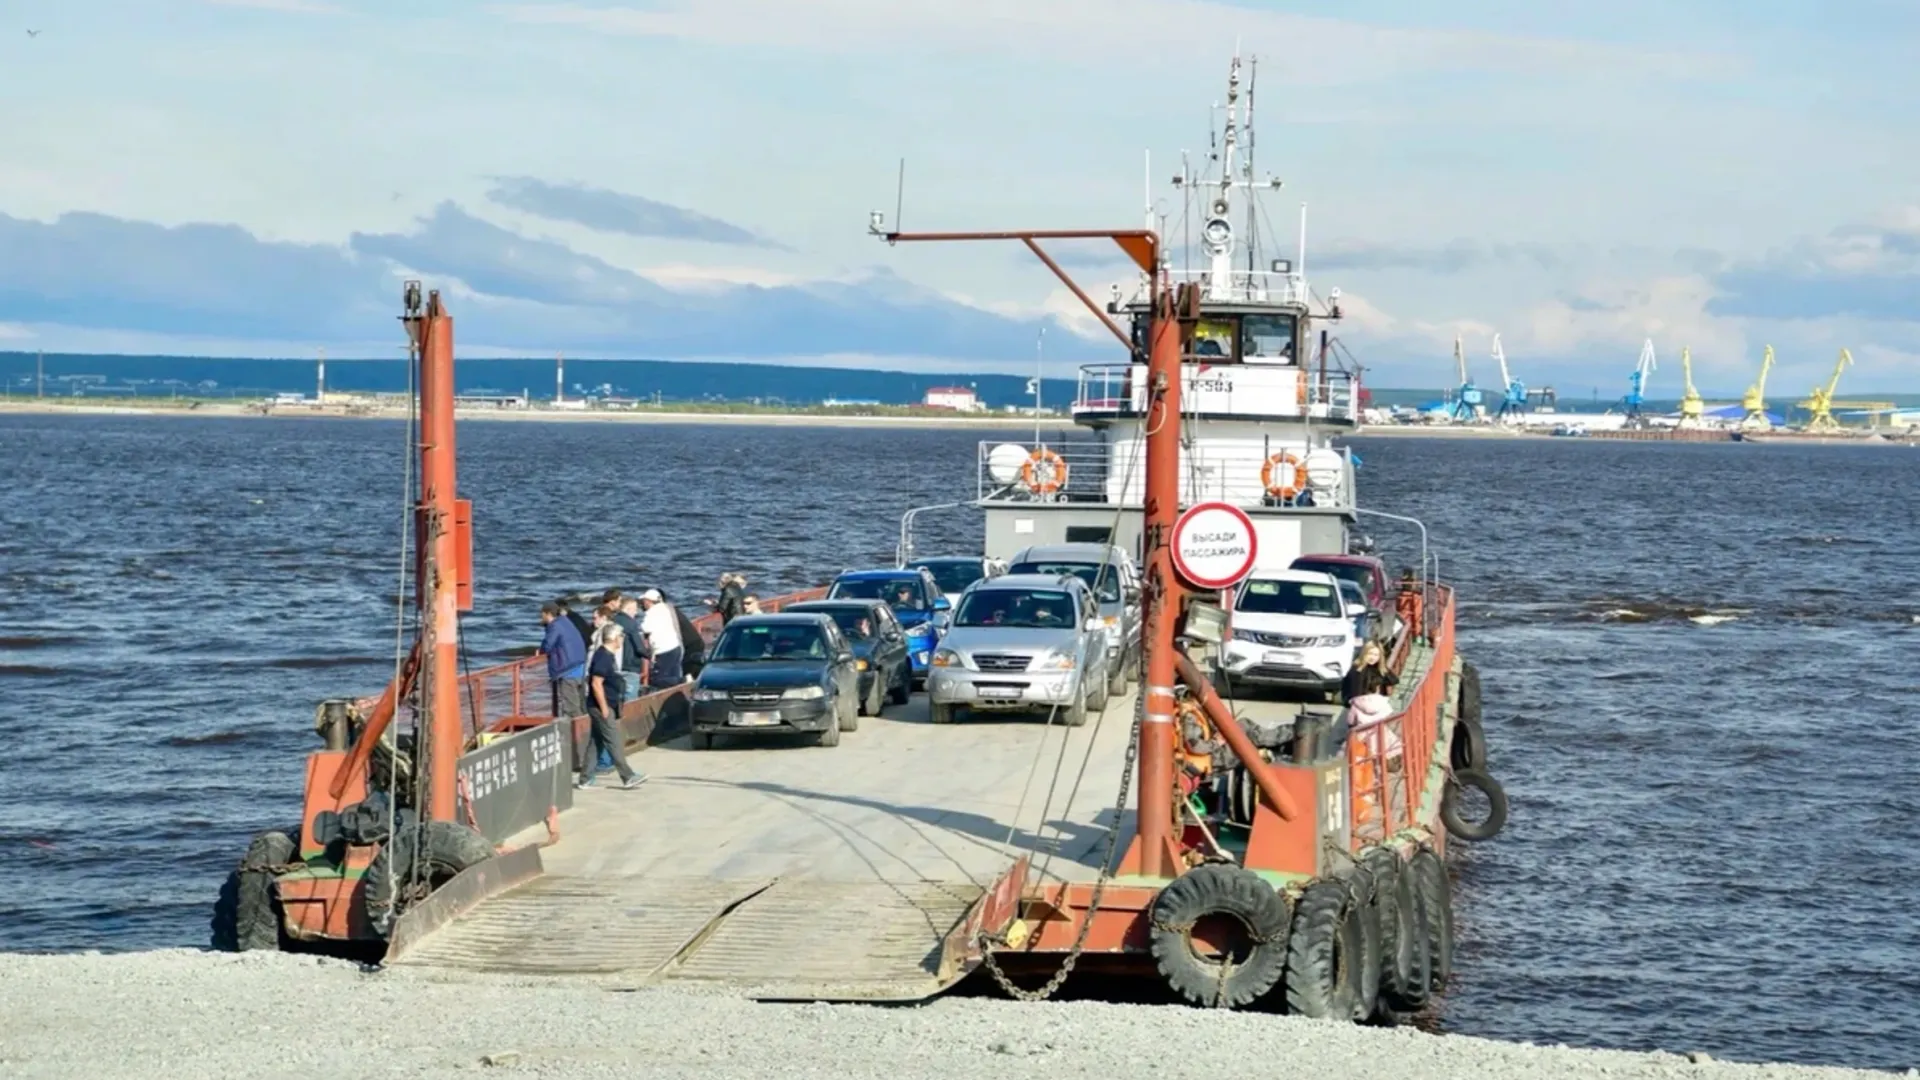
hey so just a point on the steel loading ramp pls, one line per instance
(783, 870)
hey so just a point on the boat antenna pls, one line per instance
(900, 194)
(1253, 223)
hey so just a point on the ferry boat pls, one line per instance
(1254, 853)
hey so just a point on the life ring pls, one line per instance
(1295, 481)
(1232, 896)
(1044, 472)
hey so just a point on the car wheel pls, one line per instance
(831, 736)
(701, 740)
(876, 699)
(902, 688)
(1131, 669)
(849, 711)
(1117, 678)
(1075, 715)
(939, 712)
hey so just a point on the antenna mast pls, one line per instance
(1218, 232)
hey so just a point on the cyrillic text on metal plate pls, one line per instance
(1214, 545)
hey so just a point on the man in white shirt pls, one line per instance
(661, 627)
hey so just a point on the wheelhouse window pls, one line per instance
(1213, 340)
(1268, 339)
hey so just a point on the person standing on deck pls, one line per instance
(566, 653)
(662, 631)
(579, 621)
(733, 591)
(750, 606)
(605, 695)
(631, 661)
(1408, 605)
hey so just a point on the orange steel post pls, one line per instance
(439, 554)
(1154, 851)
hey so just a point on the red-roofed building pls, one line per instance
(957, 398)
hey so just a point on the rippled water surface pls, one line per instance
(1699, 664)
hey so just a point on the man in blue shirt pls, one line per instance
(566, 653)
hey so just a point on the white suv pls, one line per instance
(1291, 628)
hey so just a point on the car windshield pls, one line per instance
(763, 641)
(901, 594)
(1354, 597)
(1288, 598)
(856, 621)
(953, 575)
(1359, 575)
(1032, 609)
(1107, 588)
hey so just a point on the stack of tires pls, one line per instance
(1467, 755)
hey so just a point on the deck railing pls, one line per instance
(1107, 473)
(1388, 760)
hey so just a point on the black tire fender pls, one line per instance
(1457, 825)
(1470, 702)
(1468, 749)
(450, 847)
(1325, 953)
(247, 915)
(1436, 896)
(1368, 913)
(1406, 990)
(1229, 892)
(1393, 919)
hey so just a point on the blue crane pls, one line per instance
(1514, 402)
(1467, 398)
(1637, 384)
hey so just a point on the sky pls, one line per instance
(691, 179)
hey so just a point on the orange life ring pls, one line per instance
(1296, 476)
(1044, 472)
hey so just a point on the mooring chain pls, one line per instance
(985, 940)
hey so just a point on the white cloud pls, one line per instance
(292, 7)
(1308, 49)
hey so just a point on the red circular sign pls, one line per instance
(1214, 545)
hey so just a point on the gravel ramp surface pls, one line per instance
(196, 1015)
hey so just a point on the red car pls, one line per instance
(1367, 572)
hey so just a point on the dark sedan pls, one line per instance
(879, 645)
(778, 673)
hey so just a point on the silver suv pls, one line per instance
(1117, 592)
(1022, 643)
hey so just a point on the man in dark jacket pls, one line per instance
(630, 659)
(580, 622)
(733, 589)
(566, 652)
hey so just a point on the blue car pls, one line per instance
(916, 600)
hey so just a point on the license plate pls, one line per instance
(753, 719)
(1287, 658)
(999, 691)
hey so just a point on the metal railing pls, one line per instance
(1250, 472)
(1388, 760)
(1209, 387)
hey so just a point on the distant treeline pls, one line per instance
(149, 376)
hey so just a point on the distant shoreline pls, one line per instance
(249, 410)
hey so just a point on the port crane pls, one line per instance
(1820, 401)
(1514, 403)
(1467, 398)
(1754, 401)
(1691, 407)
(1637, 384)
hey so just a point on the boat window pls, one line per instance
(1267, 338)
(953, 575)
(1032, 609)
(1213, 340)
(1288, 598)
(1107, 587)
(750, 641)
(1089, 534)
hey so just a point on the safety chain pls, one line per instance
(985, 940)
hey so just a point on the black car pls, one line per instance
(879, 644)
(778, 673)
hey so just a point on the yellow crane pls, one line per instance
(1820, 401)
(1755, 399)
(1690, 405)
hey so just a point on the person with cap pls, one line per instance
(661, 628)
(604, 698)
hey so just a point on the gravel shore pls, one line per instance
(188, 1014)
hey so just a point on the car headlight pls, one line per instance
(1055, 662)
(701, 693)
(1112, 621)
(804, 693)
(947, 658)
(1328, 642)
(1246, 635)
(860, 665)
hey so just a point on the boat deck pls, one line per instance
(728, 867)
